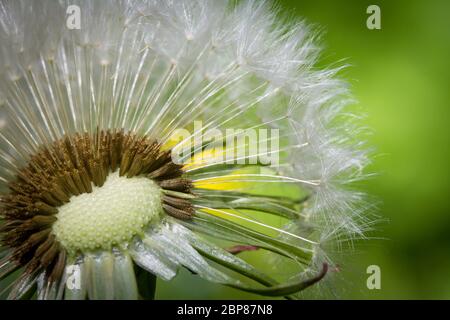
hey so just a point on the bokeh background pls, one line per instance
(400, 76)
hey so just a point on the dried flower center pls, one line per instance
(109, 215)
(86, 192)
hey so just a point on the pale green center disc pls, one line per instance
(110, 215)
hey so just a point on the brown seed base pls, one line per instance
(69, 167)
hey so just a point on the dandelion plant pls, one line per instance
(117, 162)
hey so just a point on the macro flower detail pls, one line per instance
(169, 134)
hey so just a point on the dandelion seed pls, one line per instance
(89, 122)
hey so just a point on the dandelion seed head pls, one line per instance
(104, 165)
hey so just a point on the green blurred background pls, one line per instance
(401, 78)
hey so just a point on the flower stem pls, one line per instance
(146, 284)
